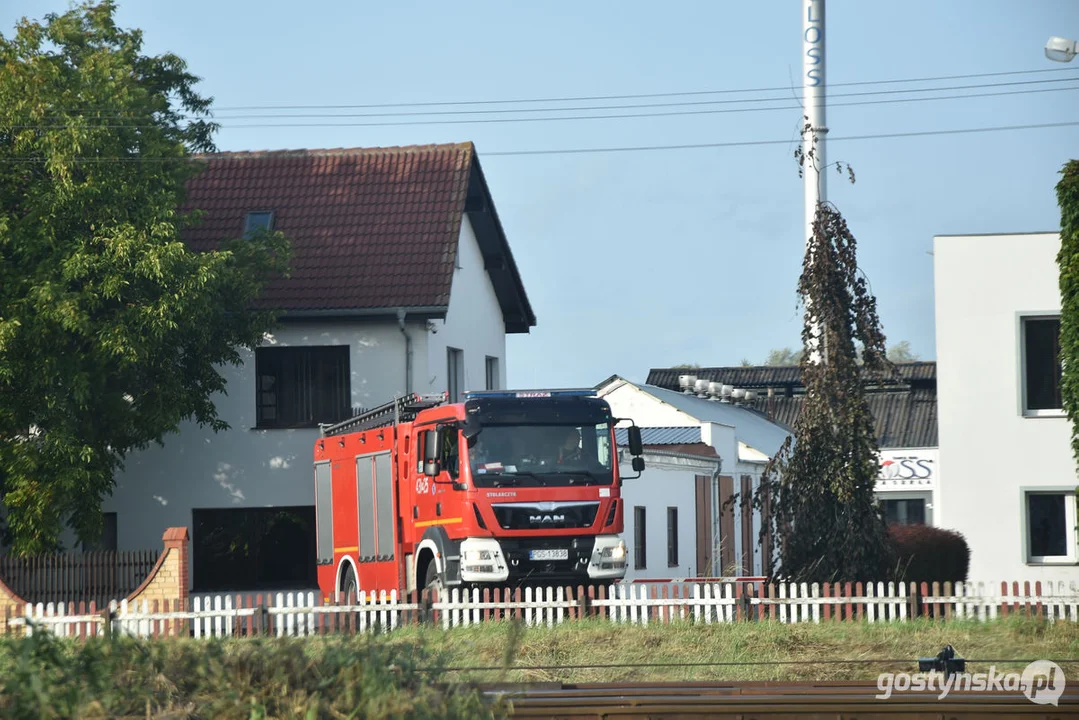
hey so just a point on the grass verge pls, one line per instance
(815, 648)
(417, 671)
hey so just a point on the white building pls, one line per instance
(698, 453)
(1004, 440)
(402, 281)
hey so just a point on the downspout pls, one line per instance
(408, 350)
(715, 519)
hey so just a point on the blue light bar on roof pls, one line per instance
(582, 392)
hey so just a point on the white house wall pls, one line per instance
(245, 466)
(473, 323)
(988, 449)
(663, 484)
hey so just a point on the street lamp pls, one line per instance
(1061, 49)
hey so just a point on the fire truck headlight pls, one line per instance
(482, 560)
(618, 552)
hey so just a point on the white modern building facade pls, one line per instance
(1004, 440)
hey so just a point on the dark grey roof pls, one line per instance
(663, 435)
(905, 411)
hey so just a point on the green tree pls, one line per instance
(901, 353)
(784, 357)
(1068, 260)
(111, 331)
(820, 488)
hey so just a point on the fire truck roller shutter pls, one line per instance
(448, 562)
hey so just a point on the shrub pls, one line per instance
(311, 678)
(929, 554)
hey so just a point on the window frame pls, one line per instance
(455, 379)
(345, 356)
(1022, 319)
(248, 230)
(490, 363)
(108, 542)
(672, 536)
(1070, 515)
(640, 537)
(203, 580)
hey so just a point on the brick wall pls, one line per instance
(167, 583)
(11, 605)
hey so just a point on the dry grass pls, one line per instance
(553, 651)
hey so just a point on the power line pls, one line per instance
(752, 143)
(637, 96)
(694, 103)
(500, 120)
(631, 148)
(592, 108)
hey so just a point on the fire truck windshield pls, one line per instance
(522, 455)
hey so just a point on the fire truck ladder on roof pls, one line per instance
(403, 409)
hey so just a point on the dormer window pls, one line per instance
(261, 220)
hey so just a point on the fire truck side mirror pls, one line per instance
(636, 447)
(638, 464)
(432, 444)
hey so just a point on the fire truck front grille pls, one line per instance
(541, 516)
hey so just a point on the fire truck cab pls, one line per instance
(505, 487)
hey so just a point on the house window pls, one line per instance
(905, 512)
(302, 386)
(672, 537)
(107, 541)
(1050, 521)
(237, 549)
(1041, 366)
(492, 373)
(258, 221)
(640, 533)
(455, 373)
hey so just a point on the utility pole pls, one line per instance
(813, 97)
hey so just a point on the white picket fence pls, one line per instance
(301, 614)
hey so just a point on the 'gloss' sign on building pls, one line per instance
(917, 466)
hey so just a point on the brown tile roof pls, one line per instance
(372, 229)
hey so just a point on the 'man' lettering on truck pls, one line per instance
(506, 487)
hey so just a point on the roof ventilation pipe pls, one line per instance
(701, 386)
(715, 390)
(686, 383)
(725, 393)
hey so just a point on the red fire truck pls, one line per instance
(505, 487)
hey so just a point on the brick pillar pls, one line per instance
(168, 581)
(177, 539)
(11, 605)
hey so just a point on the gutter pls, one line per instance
(408, 350)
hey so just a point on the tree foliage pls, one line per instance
(819, 489)
(111, 330)
(1068, 260)
(786, 357)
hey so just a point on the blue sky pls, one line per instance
(644, 259)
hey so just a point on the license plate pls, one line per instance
(560, 554)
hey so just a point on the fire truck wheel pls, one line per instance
(349, 585)
(432, 581)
